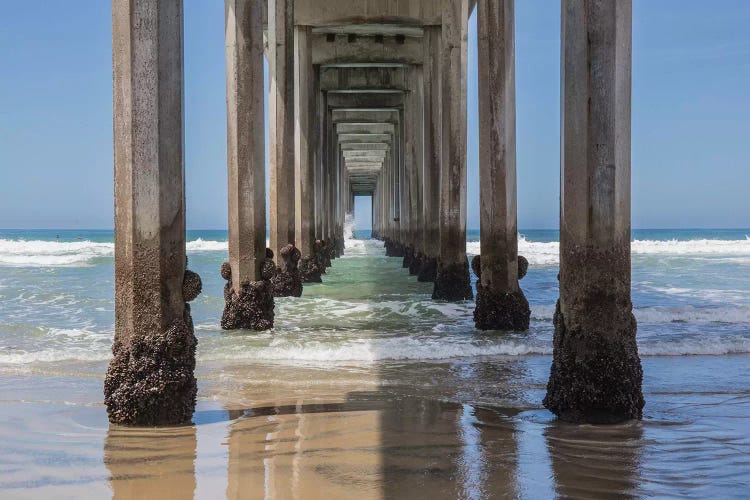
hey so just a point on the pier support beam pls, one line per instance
(248, 292)
(281, 131)
(596, 373)
(151, 379)
(414, 103)
(432, 153)
(452, 280)
(304, 168)
(500, 302)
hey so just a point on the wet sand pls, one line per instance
(382, 430)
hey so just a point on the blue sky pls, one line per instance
(691, 114)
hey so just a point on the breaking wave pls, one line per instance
(548, 253)
(664, 314)
(39, 253)
(52, 253)
(84, 345)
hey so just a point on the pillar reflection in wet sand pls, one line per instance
(595, 461)
(147, 463)
(300, 450)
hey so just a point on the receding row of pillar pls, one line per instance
(392, 126)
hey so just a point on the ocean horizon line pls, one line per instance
(521, 230)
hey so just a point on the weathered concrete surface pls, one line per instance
(245, 141)
(414, 139)
(348, 78)
(452, 280)
(314, 12)
(248, 292)
(281, 122)
(366, 49)
(304, 169)
(596, 373)
(432, 153)
(150, 379)
(501, 304)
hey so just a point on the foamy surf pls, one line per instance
(548, 253)
(41, 253)
(52, 253)
(664, 314)
(323, 347)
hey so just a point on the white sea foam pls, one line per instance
(701, 346)
(548, 253)
(39, 253)
(54, 355)
(81, 253)
(371, 350)
(52, 253)
(358, 247)
(657, 315)
(411, 348)
(201, 245)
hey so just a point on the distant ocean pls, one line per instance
(691, 292)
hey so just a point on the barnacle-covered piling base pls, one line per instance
(452, 282)
(596, 374)
(252, 306)
(151, 380)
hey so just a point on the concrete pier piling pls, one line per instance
(304, 168)
(281, 131)
(432, 153)
(249, 293)
(368, 97)
(596, 373)
(150, 380)
(452, 280)
(500, 302)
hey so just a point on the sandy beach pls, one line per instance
(382, 431)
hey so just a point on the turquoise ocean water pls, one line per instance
(372, 332)
(691, 292)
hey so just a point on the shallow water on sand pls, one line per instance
(367, 387)
(384, 430)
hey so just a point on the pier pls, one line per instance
(368, 97)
